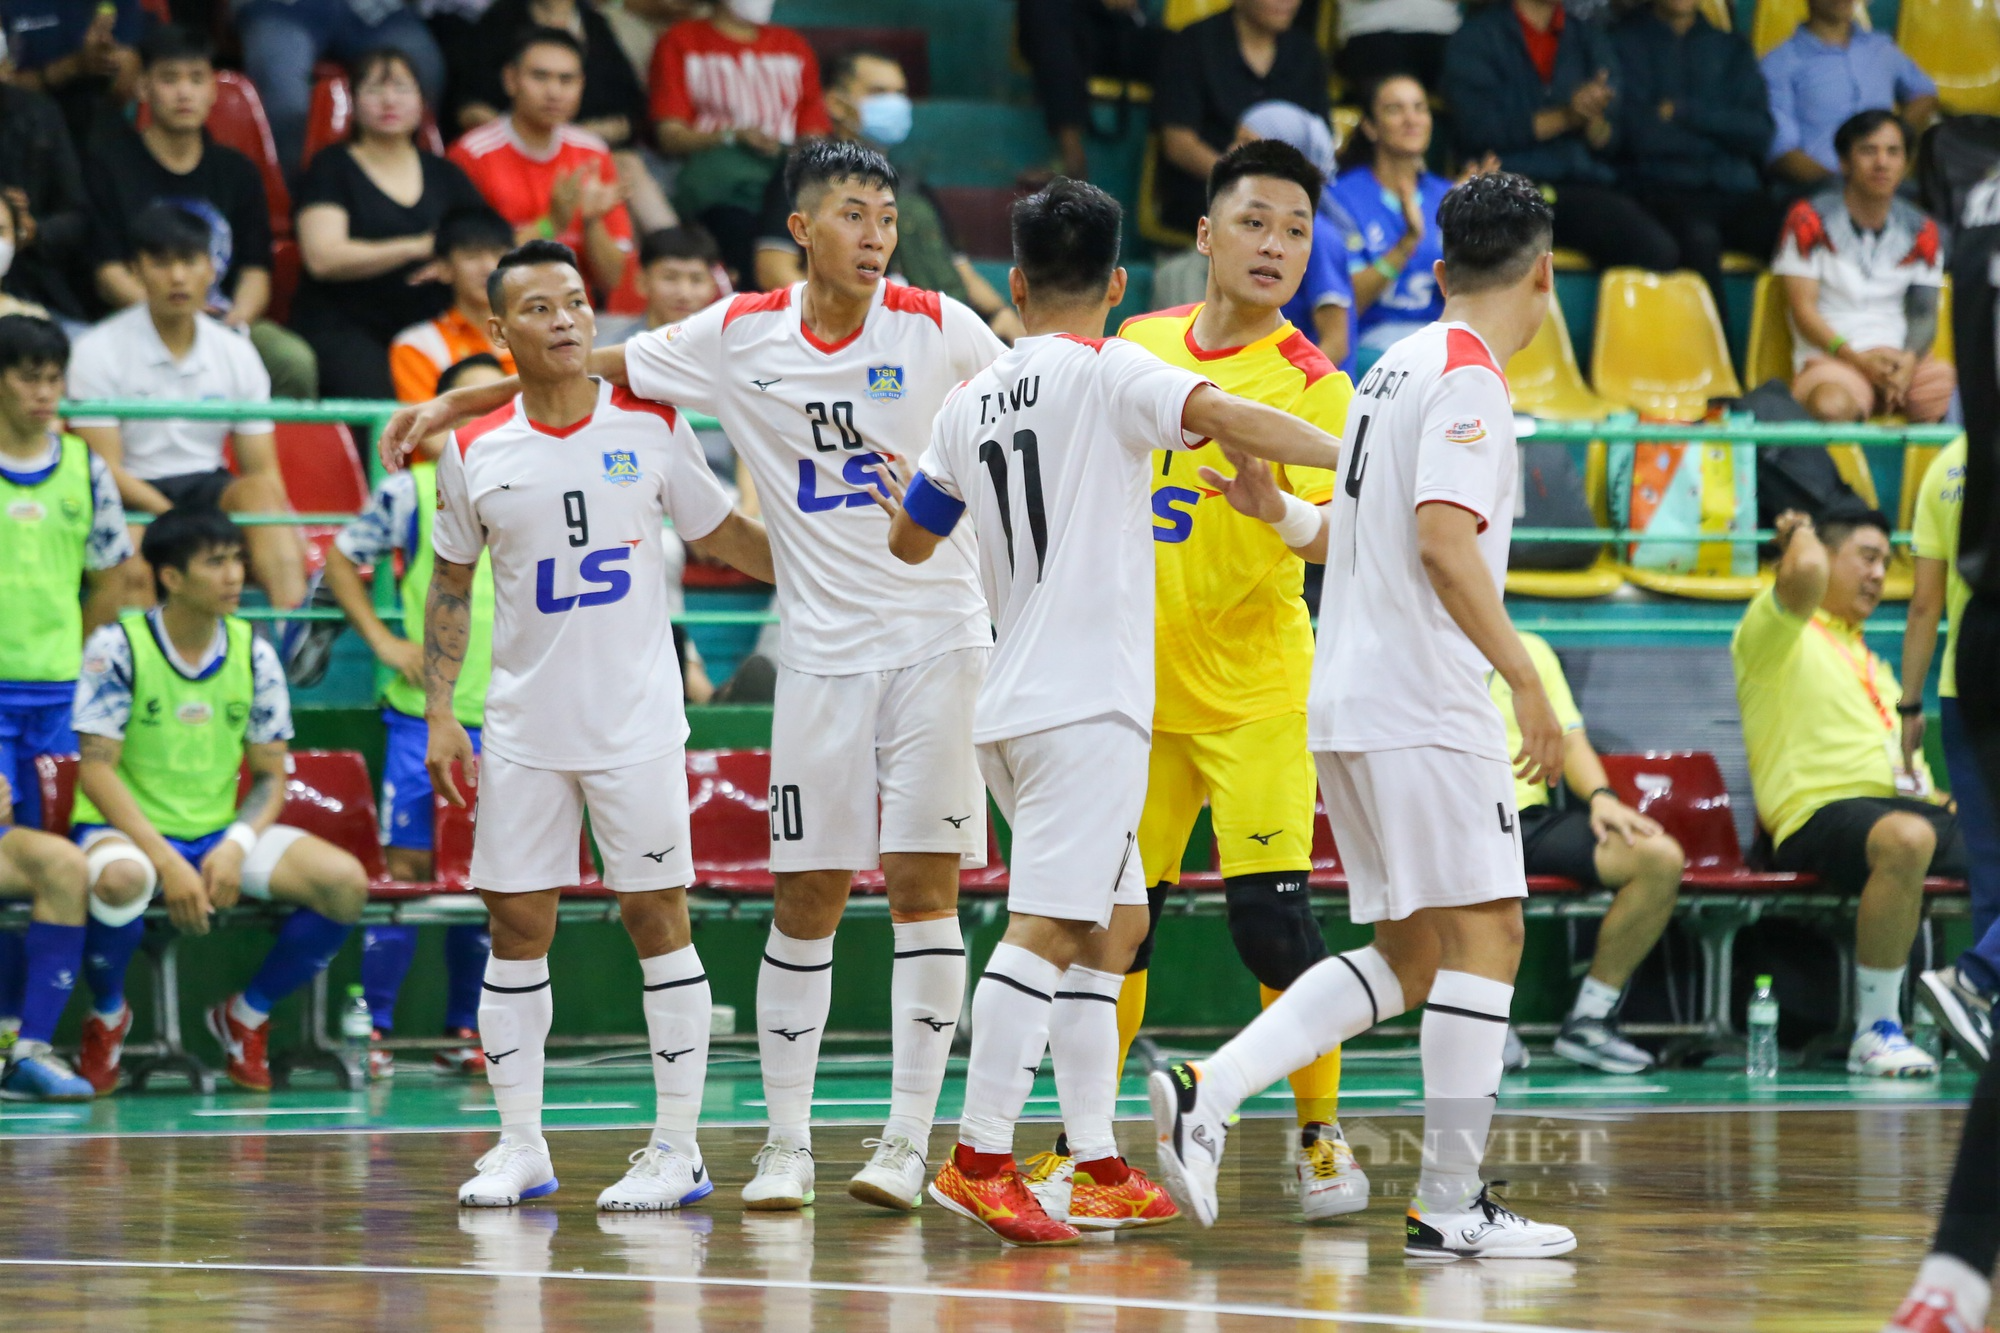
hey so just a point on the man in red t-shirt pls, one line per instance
(549, 178)
(731, 93)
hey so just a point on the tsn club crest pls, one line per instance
(621, 467)
(885, 383)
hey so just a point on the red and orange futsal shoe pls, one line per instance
(244, 1046)
(1121, 1205)
(103, 1046)
(1933, 1310)
(999, 1202)
(468, 1060)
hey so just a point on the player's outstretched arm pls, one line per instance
(447, 631)
(1448, 544)
(97, 777)
(1254, 428)
(423, 420)
(740, 542)
(1254, 491)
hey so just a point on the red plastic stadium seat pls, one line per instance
(238, 122)
(1685, 792)
(978, 217)
(909, 46)
(285, 270)
(331, 116)
(57, 778)
(1326, 869)
(329, 796)
(321, 467)
(451, 844)
(729, 819)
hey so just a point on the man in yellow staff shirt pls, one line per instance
(1233, 637)
(1819, 722)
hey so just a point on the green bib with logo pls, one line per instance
(468, 701)
(44, 529)
(185, 739)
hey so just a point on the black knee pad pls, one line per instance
(1156, 902)
(1271, 920)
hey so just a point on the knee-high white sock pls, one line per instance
(677, 1007)
(1010, 1030)
(926, 989)
(1464, 1045)
(1337, 998)
(794, 994)
(1083, 1043)
(515, 1009)
(1878, 994)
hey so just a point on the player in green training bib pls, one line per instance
(172, 704)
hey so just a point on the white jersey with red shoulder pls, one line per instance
(585, 677)
(811, 421)
(1430, 424)
(1049, 448)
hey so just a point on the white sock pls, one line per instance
(1594, 999)
(1010, 1030)
(243, 1013)
(1969, 1288)
(1336, 999)
(1083, 1043)
(794, 995)
(1878, 994)
(926, 991)
(515, 1009)
(1464, 1047)
(677, 1004)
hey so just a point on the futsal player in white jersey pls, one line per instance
(567, 488)
(1413, 762)
(1049, 449)
(816, 385)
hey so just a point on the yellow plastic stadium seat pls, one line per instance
(1718, 13)
(1150, 226)
(1944, 349)
(1778, 19)
(1957, 43)
(1769, 353)
(1179, 13)
(1546, 380)
(1571, 261)
(1600, 580)
(1346, 120)
(1660, 349)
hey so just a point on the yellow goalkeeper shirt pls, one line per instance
(1233, 638)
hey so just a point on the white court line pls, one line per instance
(11, 1116)
(478, 1108)
(286, 1110)
(1297, 1313)
(1345, 1094)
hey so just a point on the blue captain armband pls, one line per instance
(930, 508)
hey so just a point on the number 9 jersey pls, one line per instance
(584, 672)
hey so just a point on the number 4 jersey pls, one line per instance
(584, 672)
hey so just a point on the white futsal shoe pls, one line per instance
(1189, 1132)
(511, 1173)
(894, 1176)
(1330, 1183)
(1884, 1052)
(1483, 1229)
(784, 1178)
(660, 1179)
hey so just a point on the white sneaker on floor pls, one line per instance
(894, 1176)
(1484, 1229)
(1965, 1015)
(509, 1174)
(1189, 1132)
(1051, 1178)
(784, 1178)
(660, 1179)
(1884, 1052)
(1596, 1043)
(1330, 1183)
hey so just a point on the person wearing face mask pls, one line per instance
(867, 100)
(10, 230)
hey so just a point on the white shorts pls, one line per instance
(1422, 827)
(1072, 796)
(528, 825)
(255, 882)
(877, 762)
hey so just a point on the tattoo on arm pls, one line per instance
(1920, 307)
(99, 749)
(447, 629)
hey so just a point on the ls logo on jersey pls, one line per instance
(1469, 430)
(885, 383)
(858, 472)
(609, 585)
(621, 467)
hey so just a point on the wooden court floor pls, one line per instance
(1694, 1221)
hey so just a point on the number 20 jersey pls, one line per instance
(585, 677)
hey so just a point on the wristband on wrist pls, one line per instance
(1911, 709)
(1833, 348)
(242, 835)
(1601, 791)
(1386, 269)
(1300, 524)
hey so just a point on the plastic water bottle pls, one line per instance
(1761, 1060)
(357, 1027)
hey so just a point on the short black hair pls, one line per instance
(168, 231)
(843, 65)
(1066, 238)
(32, 341)
(1844, 517)
(1265, 157)
(174, 41)
(526, 255)
(545, 36)
(178, 537)
(1864, 123)
(1494, 228)
(472, 229)
(452, 373)
(690, 240)
(818, 163)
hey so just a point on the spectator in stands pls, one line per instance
(165, 347)
(1820, 725)
(1383, 37)
(731, 93)
(368, 215)
(40, 177)
(1863, 271)
(1598, 841)
(10, 228)
(549, 178)
(84, 55)
(680, 274)
(1069, 42)
(1829, 70)
(469, 246)
(867, 99)
(1212, 72)
(1540, 89)
(284, 39)
(1694, 123)
(174, 159)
